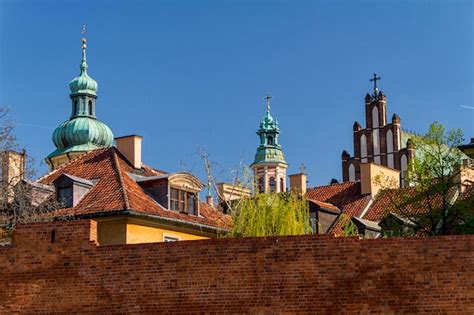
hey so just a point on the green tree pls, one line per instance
(434, 203)
(271, 214)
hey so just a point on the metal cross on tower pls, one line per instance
(375, 79)
(267, 98)
(83, 32)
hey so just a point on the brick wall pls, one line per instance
(65, 271)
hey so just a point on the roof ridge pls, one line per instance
(64, 165)
(336, 184)
(122, 183)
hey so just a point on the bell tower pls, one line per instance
(82, 132)
(269, 166)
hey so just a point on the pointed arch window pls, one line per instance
(389, 140)
(375, 117)
(352, 173)
(403, 169)
(363, 148)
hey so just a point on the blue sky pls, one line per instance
(185, 74)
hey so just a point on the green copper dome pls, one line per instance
(83, 132)
(269, 150)
(83, 84)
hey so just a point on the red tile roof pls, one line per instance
(408, 201)
(346, 196)
(115, 190)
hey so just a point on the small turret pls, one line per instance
(356, 126)
(82, 132)
(395, 119)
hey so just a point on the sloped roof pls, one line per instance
(411, 201)
(346, 196)
(115, 191)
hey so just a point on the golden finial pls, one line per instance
(84, 36)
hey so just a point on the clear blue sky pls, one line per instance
(189, 73)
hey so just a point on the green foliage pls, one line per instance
(431, 206)
(271, 214)
(350, 229)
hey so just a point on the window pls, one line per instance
(74, 108)
(270, 140)
(65, 196)
(282, 185)
(363, 148)
(170, 239)
(191, 203)
(375, 117)
(389, 140)
(174, 195)
(272, 184)
(352, 173)
(261, 184)
(183, 201)
(90, 109)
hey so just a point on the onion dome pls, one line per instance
(83, 84)
(83, 132)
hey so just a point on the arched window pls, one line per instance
(389, 140)
(270, 140)
(352, 173)
(261, 184)
(282, 185)
(74, 108)
(375, 117)
(363, 148)
(90, 108)
(272, 184)
(403, 169)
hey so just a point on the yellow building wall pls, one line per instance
(129, 231)
(147, 234)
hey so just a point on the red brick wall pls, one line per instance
(312, 274)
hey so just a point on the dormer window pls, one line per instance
(183, 201)
(176, 192)
(71, 189)
(65, 196)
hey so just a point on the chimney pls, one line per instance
(210, 200)
(12, 166)
(298, 183)
(131, 148)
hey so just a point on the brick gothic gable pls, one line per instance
(379, 142)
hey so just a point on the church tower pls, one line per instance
(269, 166)
(82, 132)
(379, 142)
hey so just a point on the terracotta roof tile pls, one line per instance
(346, 196)
(116, 191)
(407, 200)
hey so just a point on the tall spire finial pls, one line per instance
(84, 46)
(268, 98)
(375, 79)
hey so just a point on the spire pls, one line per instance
(268, 98)
(84, 46)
